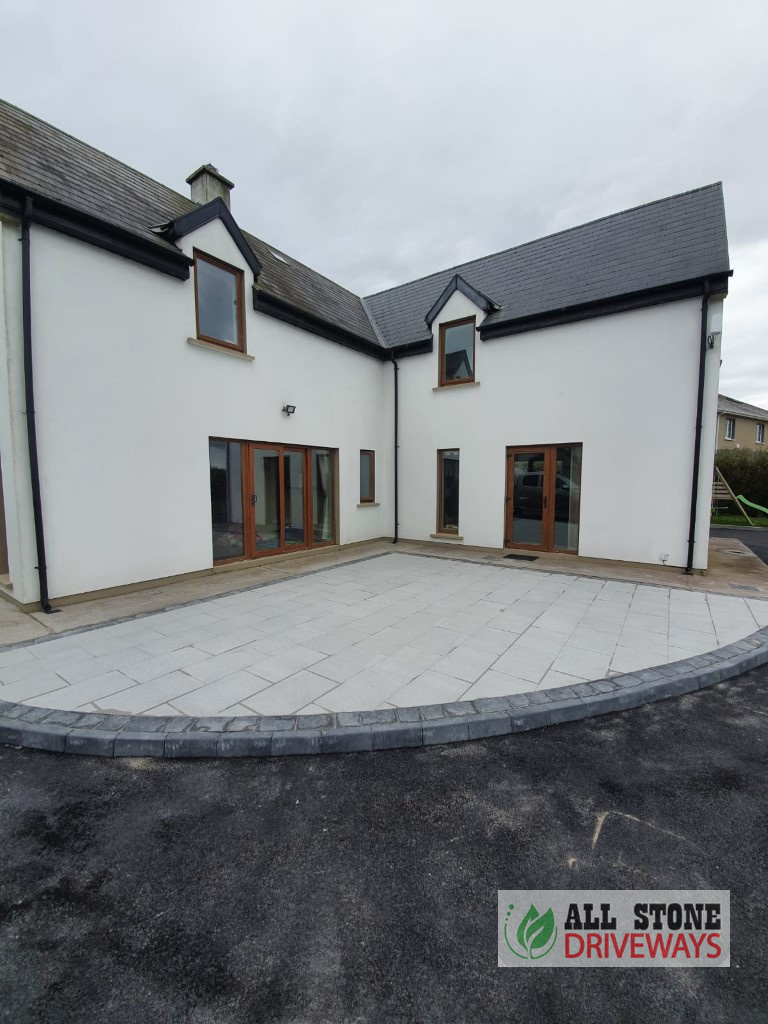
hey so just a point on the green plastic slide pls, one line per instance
(746, 501)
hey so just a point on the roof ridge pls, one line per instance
(374, 326)
(543, 238)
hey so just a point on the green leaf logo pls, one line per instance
(536, 934)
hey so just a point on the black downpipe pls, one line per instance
(699, 418)
(29, 393)
(397, 369)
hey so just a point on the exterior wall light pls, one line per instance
(289, 410)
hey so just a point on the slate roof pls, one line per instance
(50, 163)
(666, 242)
(733, 407)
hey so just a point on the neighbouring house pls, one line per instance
(740, 425)
(179, 396)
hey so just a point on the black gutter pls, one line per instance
(699, 419)
(104, 235)
(604, 307)
(29, 394)
(280, 310)
(397, 524)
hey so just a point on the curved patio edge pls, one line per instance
(113, 735)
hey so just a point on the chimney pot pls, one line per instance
(206, 184)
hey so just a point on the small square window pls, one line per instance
(367, 477)
(457, 352)
(219, 302)
(760, 433)
(730, 428)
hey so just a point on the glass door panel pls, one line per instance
(527, 477)
(322, 496)
(226, 499)
(293, 498)
(567, 498)
(265, 499)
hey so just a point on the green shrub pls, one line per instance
(746, 472)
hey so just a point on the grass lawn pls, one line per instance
(738, 520)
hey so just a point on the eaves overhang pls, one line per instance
(502, 328)
(290, 314)
(68, 220)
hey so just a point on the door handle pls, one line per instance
(253, 499)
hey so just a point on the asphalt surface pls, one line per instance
(755, 539)
(363, 887)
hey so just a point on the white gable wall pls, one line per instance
(126, 407)
(624, 386)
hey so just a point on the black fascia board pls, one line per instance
(457, 283)
(605, 307)
(216, 209)
(289, 314)
(86, 228)
(418, 347)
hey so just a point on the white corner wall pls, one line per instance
(624, 386)
(14, 453)
(126, 407)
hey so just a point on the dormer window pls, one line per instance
(219, 303)
(457, 352)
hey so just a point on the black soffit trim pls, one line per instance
(589, 311)
(457, 283)
(412, 348)
(82, 226)
(216, 209)
(280, 310)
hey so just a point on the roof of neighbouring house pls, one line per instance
(665, 243)
(733, 407)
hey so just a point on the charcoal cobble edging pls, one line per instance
(106, 735)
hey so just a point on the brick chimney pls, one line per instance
(206, 184)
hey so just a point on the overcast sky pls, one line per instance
(381, 141)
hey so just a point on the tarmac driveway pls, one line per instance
(363, 887)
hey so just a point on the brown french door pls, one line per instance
(270, 498)
(543, 497)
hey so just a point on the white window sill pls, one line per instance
(220, 348)
(445, 536)
(369, 504)
(458, 384)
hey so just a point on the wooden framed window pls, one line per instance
(269, 499)
(457, 352)
(367, 476)
(448, 490)
(730, 428)
(219, 302)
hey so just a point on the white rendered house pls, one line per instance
(178, 395)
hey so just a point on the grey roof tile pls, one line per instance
(734, 407)
(52, 164)
(662, 243)
(665, 242)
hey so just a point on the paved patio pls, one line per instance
(394, 630)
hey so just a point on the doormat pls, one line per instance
(523, 558)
